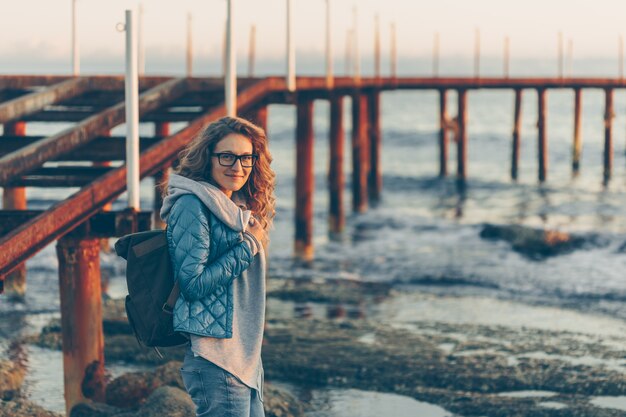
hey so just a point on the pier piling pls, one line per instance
(608, 134)
(375, 180)
(305, 180)
(543, 141)
(462, 136)
(161, 129)
(517, 128)
(258, 116)
(81, 320)
(336, 179)
(578, 143)
(359, 152)
(443, 134)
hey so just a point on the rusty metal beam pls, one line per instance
(346, 84)
(79, 115)
(29, 157)
(63, 176)
(102, 224)
(101, 148)
(341, 83)
(30, 237)
(36, 101)
(15, 82)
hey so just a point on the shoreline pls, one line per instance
(465, 349)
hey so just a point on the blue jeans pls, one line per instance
(216, 392)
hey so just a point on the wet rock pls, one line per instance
(173, 401)
(280, 403)
(131, 389)
(164, 401)
(538, 244)
(50, 336)
(20, 407)
(114, 320)
(117, 346)
(367, 356)
(12, 371)
(327, 290)
(92, 409)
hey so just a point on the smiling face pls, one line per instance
(232, 178)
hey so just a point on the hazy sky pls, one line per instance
(40, 29)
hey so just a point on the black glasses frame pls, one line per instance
(237, 158)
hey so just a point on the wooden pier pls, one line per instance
(96, 105)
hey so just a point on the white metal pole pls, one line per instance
(140, 48)
(477, 53)
(75, 51)
(394, 52)
(132, 113)
(291, 50)
(436, 55)
(189, 46)
(252, 51)
(506, 56)
(560, 54)
(377, 45)
(570, 57)
(621, 57)
(348, 60)
(224, 46)
(230, 81)
(329, 52)
(357, 57)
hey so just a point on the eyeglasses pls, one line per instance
(228, 159)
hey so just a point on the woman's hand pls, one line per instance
(254, 227)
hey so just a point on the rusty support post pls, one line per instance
(161, 179)
(258, 116)
(543, 141)
(14, 198)
(443, 134)
(305, 180)
(105, 134)
(375, 179)
(336, 177)
(81, 320)
(608, 134)
(578, 143)
(462, 136)
(359, 152)
(517, 128)
(161, 129)
(104, 243)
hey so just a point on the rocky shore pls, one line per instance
(322, 333)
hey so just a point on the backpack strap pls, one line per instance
(168, 307)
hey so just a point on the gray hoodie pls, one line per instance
(241, 354)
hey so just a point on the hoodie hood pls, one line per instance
(225, 209)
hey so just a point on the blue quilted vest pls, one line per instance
(206, 256)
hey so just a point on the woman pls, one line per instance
(218, 208)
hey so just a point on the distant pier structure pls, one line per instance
(87, 156)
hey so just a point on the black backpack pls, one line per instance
(152, 292)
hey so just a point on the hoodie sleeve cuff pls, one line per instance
(252, 242)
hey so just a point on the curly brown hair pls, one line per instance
(258, 191)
